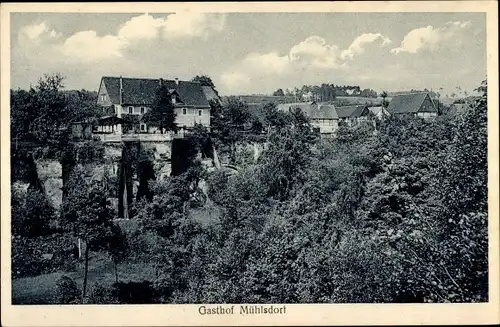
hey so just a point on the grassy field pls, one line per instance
(41, 289)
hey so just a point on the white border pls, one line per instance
(299, 314)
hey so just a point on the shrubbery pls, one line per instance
(28, 255)
(67, 291)
(396, 214)
(351, 220)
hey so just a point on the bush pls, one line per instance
(90, 151)
(67, 291)
(28, 255)
(100, 294)
(31, 214)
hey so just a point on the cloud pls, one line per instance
(37, 32)
(87, 46)
(268, 62)
(234, 79)
(141, 27)
(184, 24)
(193, 24)
(430, 38)
(316, 52)
(312, 57)
(357, 47)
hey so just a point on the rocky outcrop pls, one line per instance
(50, 175)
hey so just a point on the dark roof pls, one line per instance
(324, 111)
(407, 103)
(137, 91)
(350, 111)
(311, 109)
(210, 93)
(113, 119)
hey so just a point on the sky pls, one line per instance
(254, 53)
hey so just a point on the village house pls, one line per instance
(353, 115)
(417, 104)
(121, 96)
(379, 111)
(256, 103)
(321, 115)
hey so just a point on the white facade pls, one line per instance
(426, 115)
(326, 126)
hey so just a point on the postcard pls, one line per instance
(249, 163)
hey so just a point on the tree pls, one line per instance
(466, 168)
(279, 92)
(275, 118)
(205, 80)
(385, 103)
(162, 113)
(81, 106)
(284, 162)
(31, 213)
(87, 214)
(200, 139)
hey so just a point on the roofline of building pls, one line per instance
(423, 92)
(150, 79)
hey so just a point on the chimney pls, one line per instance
(176, 81)
(121, 90)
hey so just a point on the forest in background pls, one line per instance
(391, 212)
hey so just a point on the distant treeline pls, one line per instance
(326, 92)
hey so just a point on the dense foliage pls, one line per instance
(390, 212)
(370, 216)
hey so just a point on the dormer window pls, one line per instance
(173, 99)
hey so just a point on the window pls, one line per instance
(200, 112)
(173, 99)
(184, 111)
(143, 126)
(130, 110)
(103, 97)
(142, 110)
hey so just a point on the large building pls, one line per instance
(321, 115)
(416, 104)
(353, 115)
(135, 96)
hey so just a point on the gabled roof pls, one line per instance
(351, 111)
(408, 103)
(324, 111)
(378, 110)
(141, 91)
(311, 109)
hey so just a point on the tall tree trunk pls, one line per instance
(84, 291)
